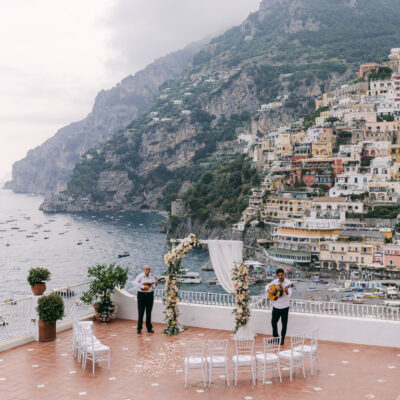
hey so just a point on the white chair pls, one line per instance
(217, 358)
(75, 337)
(310, 352)
(195, 359)
(269, 360)
(91, 348)
(243, 360)
(294, 358)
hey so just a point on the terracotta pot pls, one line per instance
(47, 332)
(38, 289)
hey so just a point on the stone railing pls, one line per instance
(17, 318)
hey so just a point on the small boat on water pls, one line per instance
(46, 237)
(29, 236)
(213, 281)
(189, 277)
(79, 243)
(124, 254)
(47, 230)
(312, 289)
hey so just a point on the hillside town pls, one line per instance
(331, 180)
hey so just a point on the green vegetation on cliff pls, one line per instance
(221, 194)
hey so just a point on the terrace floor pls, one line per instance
(149, 366)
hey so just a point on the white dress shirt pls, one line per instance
(282, 301)
(142, 278)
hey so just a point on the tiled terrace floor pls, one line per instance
(150, 367)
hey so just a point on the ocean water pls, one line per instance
(103, 237)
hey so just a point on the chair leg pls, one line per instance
(209, 374)
(291, 370)
(252, 374)
(316, 361)
(226, 374)
(109, 360)
(93, 363)
(264, 373)
(302, 367)
(236, 375)
(279, 371)
(203, 375)
(186, 376)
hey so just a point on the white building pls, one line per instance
(349, 183)
(380, 168)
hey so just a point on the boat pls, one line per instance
(79, 243)
(213, 281)
(312, 289)
(189, 277)
(47, 230)
(46, 237)
(29, 236)
(324, 282)
(124, 254)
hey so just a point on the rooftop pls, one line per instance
(150, 367)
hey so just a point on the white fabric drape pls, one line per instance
(224, 254)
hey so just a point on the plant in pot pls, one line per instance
(106, 279)
(50, 309)
(37, 278)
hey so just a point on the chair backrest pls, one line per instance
(244, 347)
(314, 338)
(195, 349)
(218, 348)
(85, 332)
(272, 345)
(296, 341)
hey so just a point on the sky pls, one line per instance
(57, 55)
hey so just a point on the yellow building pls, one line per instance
(321, 149)
(343, 255)
(284, 208)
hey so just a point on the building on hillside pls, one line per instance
(334, 208)
(347, 184)
(366, 68)
(391, 256)
(285, 208)
(384, 192)
(380, 168)
(375, 149)
(343, 255)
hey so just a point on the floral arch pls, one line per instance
(173, 261)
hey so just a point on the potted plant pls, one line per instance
(107, 278)
(37, 278)
(50, 309)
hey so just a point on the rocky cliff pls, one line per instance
(48, 167)
(287, 52)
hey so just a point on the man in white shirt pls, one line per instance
(145, 284)
(280, 308)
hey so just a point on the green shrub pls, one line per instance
(50, 308)
(38, 275)
(107, 278)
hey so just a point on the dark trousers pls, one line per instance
(278, 313)
(145, 303)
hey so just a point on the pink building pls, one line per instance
(391, 256)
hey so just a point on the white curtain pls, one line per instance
(224, 255)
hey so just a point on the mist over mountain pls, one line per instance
(49, 166)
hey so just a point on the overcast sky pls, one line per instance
(56, 55)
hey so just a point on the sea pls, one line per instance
(67, 244)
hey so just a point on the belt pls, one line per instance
(145, 292)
